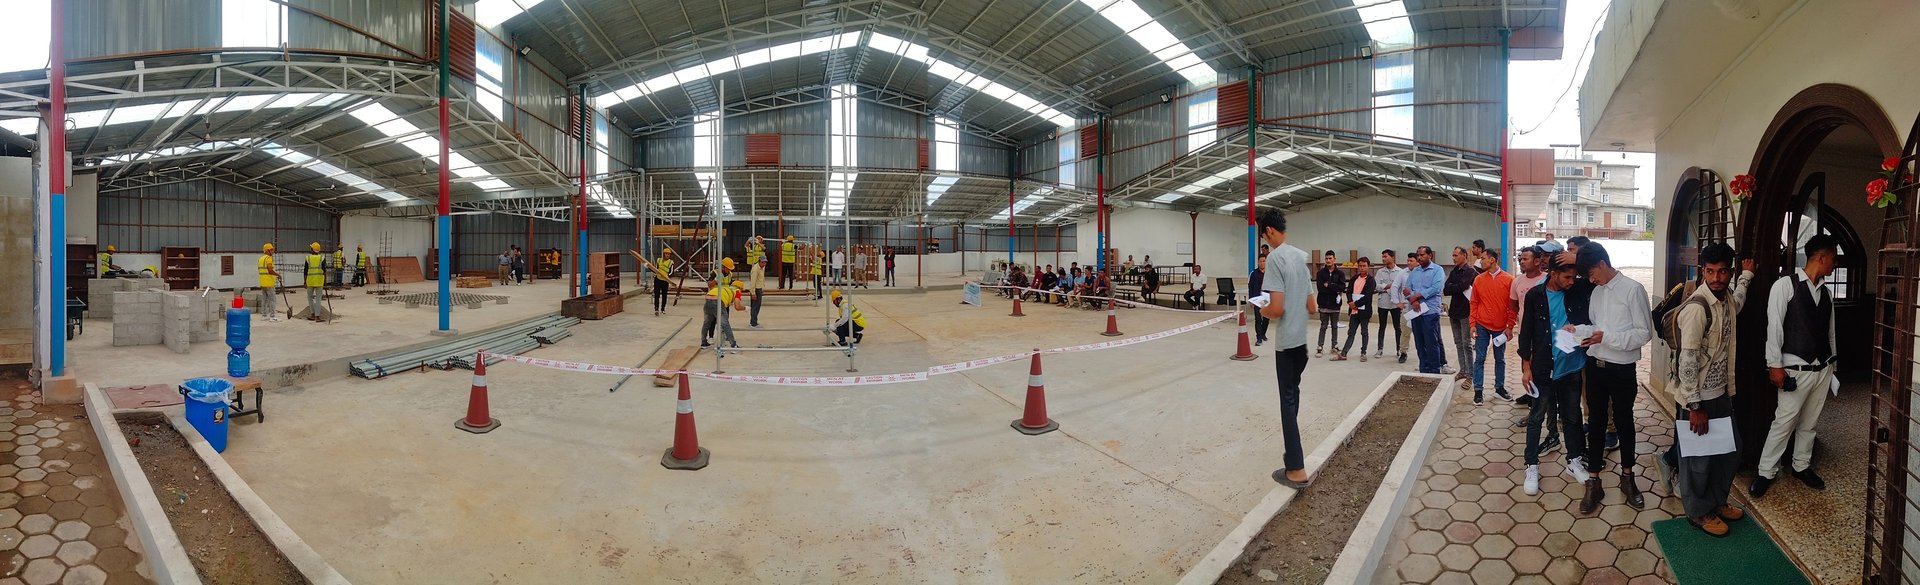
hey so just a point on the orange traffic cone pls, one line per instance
(686, 454)
(1016, 305)
(1113, 322)
(477, 420)
(1245, 352)
(1034, 421)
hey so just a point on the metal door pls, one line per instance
(1891, 452)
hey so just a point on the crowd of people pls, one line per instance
(1578, 326)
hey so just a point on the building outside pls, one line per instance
(1589, 198)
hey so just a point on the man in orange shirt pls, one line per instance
(1494, 313)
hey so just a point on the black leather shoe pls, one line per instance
(1812, 480)
(1631, 489)
(1760, 485)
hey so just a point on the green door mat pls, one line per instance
(1745, 556)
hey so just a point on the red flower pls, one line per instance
(1742, 184)
(1874, 198)
(1875, 188)
(1889, 163)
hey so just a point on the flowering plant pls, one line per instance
(1741, 188)
(1879, 191)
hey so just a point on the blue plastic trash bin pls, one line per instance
(206, 401)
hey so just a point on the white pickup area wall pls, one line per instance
(1370, 224)
(1160, 233)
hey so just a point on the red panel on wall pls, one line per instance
(460, 43)
(1089, 141)
(1232, 104)
(923, 154)
(763, 150)
(573, 116)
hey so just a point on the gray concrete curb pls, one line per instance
(303, 557)
(164, 554)
(1361, 558)
(1210, 567)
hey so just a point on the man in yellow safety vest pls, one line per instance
(661, 269)
(338, 270)
(269, 283)
(720, 297)
(786, 263)
(106, 262)
(850, 322)
(819, 261)
(316, 273)
(359, 266)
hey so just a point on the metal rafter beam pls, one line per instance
(821, 93)
(185, 175)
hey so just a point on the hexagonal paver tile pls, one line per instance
(59, 478)
(1469, 491)
(1527, 534)
(93, 497)
(67, 510)
(33, 474)
(63, 493)
(1636, 562)
(9, 517)
(1597, 554)
(88, 575)
(1426, 542)
(1465, 511)
(107, 537)
(1626, 537)
(1526, 512)
(42, 572)
(1561, 544)
(71, 530)
(36, 524)
(1498, 485)
(1590, 529)
(1647, 580)
(77, 553)
(8, 482)
(85, 481)
(1419, 568)
(1604, 576)
(1462, 533)
(1453, 578)
(1458, 557)
(1436, 499)
(1494, 523)
(39, 546)
(1442, 482)
(1557, 521)
(32, 488)
(100, 516)
(1618, 515)
(27, 450)
(1492, 571)
(115, 559)
(10, 538)
(1431, 519)
(1529, 559)
(1565, 570)
(54, 465)
(29, 462)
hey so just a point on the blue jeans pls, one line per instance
(1482, 339)
(1426, 341)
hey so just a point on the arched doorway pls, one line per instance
(1810, 171)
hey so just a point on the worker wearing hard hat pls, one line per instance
(733, 287)
(316, 273)
(756, 249)
(756, 282)
(106, 263)
(661, 268)
(786, 263)
(850, 322)
(269, 283)
(360, 265)
(819, 260)
(720, 296)
(339, 267)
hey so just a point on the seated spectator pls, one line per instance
(1062, 286)
(1045, 283)
(1127, 267)
(1101, 287)
(1197, 289)
(1149, 282)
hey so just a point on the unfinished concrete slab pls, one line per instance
(1162, 448)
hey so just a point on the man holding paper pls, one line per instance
(1494, 313)
(1424, 283)
(1622, 325)
(1704, 391)
(1288, 302)
(1556, 366)
(1359, 308)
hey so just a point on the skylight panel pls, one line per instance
(89, 118)
(372, 114)
(1155, 38)
(1386, 22)
(786, 51)
(1000, 92)
(939, 187)
(426, 146)
(754, 57)
(140, 113)
(490, 13)
(691, 74)
(1169, 198)
(720, 66)
(242, 103)
(492, 184)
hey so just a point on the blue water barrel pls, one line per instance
(206, 402)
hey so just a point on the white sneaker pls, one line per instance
(1577, 468)
(1533, 480)
(1446, 369)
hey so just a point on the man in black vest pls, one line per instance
(1800, 363)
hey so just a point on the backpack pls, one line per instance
(1666, 319)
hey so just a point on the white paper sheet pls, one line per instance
(1415, 310)
(1533, 390)
(1565, 341)
(1718, 440)
(1358, 296)
(1261, 301)
(1833, 385)
(1500, 340)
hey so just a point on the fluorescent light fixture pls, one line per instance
(490, 13)
(1157, 39)
(1284, 190)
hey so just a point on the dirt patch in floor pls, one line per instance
(220, 538)
(1301, 544)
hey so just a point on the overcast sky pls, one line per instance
(1545, 96)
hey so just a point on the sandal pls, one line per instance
(1280, 475)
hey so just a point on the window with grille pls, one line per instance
(1591, 217)
(1567, 191)
(1566, 217)
(1633, 219)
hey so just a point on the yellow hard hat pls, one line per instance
(110, 248)
(267, 247)
(835, 295)
(789, 237)
(357, 247)
(726, 263)
(666, 249)
(315, 246)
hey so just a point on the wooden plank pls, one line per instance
(676, 360)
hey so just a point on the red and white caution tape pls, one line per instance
(852, 380)
(1125, 302)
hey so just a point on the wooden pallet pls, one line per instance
(473, 281)
(676, 360)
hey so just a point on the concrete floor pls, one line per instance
(1162, 448)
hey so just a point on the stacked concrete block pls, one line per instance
(137, 318)
(100, 295)
(209, 317)
(176, 321)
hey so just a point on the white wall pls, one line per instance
(83, 204)
(1370, 224)
(411, 237)
(1159, 233)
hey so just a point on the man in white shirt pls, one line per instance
(1800, 344)
(839, 262)
(1622, 324)
(1390, 281)
(1197, 289)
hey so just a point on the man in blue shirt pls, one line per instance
(1424, 284)
(1555, 371)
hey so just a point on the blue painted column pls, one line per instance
(56, 241)
(1506, 207)
(443, 224)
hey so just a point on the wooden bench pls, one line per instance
(676, 360)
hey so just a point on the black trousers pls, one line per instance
(1357, 327)
(1259, 325)
(849, 328)
(1329, 322)
(786, 275)
(1610, 392)
(1389, 316)
(1288, 365)
(1558, 399)
(660, 294)
(889, 276)
(753, 308)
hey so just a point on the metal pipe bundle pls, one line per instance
(458, 353)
